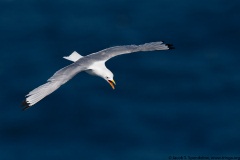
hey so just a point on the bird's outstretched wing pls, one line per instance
(108, 53)
(53, 83)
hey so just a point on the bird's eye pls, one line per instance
(107, 77)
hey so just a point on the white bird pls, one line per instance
(93, 64)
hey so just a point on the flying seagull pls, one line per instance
(94, 64)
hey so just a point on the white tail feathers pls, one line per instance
(73, 57)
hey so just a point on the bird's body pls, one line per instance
(94, 64)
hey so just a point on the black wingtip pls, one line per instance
(170, 46)
(25, 105)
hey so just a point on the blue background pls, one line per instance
(182, 102)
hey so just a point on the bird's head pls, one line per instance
(108, 76)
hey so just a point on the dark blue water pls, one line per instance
(180, 102)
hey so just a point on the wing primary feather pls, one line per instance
(53, 83)
(25, 105)
(170, 46)
(111, 52)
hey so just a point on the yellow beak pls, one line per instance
(112, 83)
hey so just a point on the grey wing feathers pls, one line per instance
(119, 50)
(53, 83)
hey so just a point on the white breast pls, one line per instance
(97, 68)
(91, 72)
